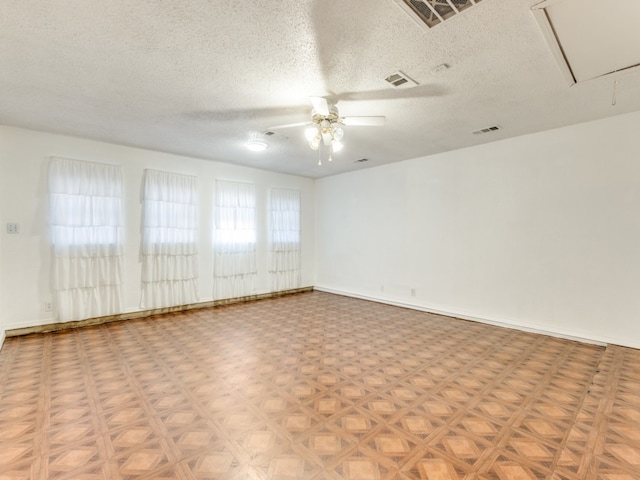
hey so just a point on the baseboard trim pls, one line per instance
(54, 327)
(2, 337)
(462, 316)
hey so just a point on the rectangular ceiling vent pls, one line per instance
(401, 80)
(434, 12)
(487, 130)
(270, 133)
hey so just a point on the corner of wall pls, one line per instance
(2, 174)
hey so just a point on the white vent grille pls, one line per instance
(400, 80)
(270, 133)
(487, 130)
(433, 12)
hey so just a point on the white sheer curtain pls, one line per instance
(169, 247)
(284, 239)
(234, 240)
(86, 221)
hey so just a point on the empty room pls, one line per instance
(320, 240)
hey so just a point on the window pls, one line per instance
(234, 240)
(86, 221)
(169, 248)
(284, 239)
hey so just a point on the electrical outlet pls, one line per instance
(13, 228)
(413, 292)
(48, 306)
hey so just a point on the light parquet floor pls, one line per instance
(315, 386)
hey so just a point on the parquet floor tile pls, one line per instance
(320, 387)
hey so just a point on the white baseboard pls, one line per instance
(27, 327)
(559, 333)
(41, 326)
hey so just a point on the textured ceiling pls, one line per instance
(200, 77)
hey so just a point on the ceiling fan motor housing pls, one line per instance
(333, 116)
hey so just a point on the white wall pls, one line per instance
(2, 329)
(25, 258)
(540, 232)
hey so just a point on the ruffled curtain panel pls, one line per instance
(284, 239)
(86, 222)
(169, 250)
(234, 243)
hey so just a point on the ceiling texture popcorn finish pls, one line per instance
(202, 78)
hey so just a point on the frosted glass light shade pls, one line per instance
(310, 133)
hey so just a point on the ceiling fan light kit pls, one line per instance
(326, 133)
(325, 127)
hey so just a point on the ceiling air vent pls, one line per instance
(487, 130)
(270, 133)
(401, 80)
(362, 160)
(433, 12)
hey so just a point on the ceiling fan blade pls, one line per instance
(290, 125)
(364, 121)
(320, 105)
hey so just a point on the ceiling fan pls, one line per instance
(325, 126)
